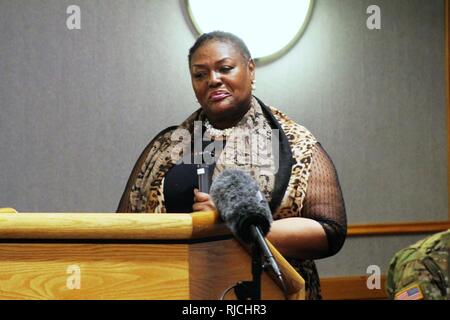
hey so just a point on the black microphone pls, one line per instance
(245, 210)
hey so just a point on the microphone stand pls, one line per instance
(251, 290)
(257, 269)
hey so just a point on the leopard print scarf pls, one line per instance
(248, 148)
(146, 194)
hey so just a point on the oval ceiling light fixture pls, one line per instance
(269, 28)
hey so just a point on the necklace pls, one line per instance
(217, 132)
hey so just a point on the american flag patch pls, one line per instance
(410, 293)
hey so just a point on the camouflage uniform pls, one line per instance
(421, 271)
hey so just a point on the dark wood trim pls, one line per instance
(351, 288)
(397, 228)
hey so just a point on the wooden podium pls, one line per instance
(97, 256)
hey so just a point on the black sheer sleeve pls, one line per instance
(324, 202)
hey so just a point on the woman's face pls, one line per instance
(222, 81)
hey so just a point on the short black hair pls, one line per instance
(220, 36)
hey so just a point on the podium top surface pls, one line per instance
(116, 226)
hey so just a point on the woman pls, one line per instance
(300, 184)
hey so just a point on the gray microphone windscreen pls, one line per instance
(240, 203)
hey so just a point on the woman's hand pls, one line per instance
(203, 202)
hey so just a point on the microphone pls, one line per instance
(205, 160)
(245, 210)
(203, 177)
